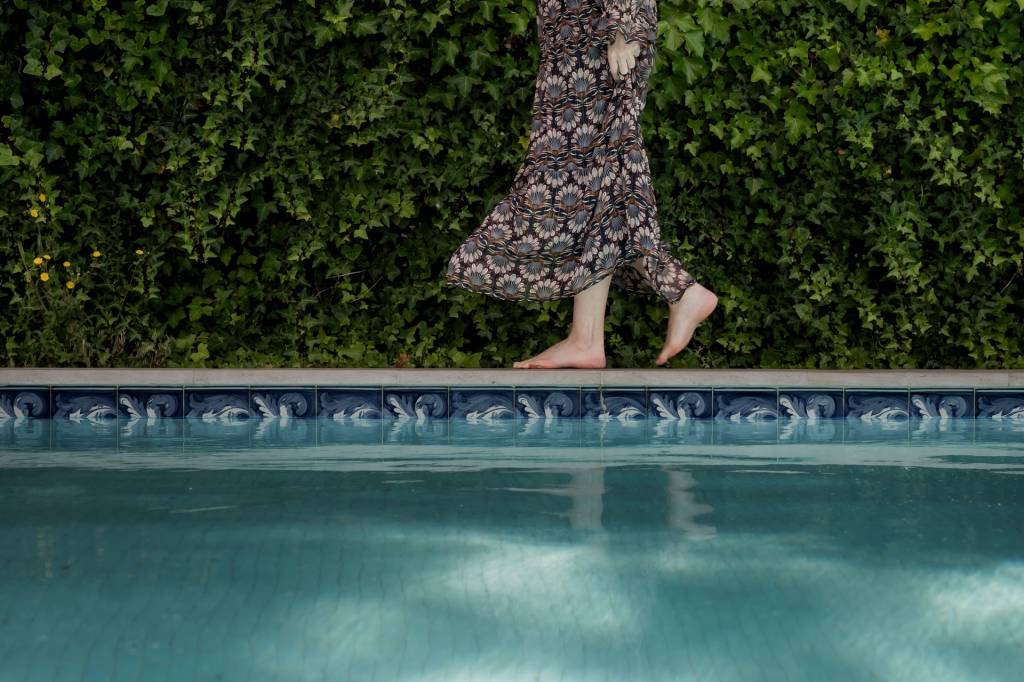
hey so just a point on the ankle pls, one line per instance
(586, 341)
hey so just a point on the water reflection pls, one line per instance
(447, 551)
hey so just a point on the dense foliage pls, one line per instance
(280, 183)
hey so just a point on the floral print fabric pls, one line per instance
(581, 205)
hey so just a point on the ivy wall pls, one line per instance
(280, 183)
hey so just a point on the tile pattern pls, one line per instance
(83, 403)
(150, 401)
(416, 402)
(538, 402)
(219, 403)
(490, 403)
(353, 402)
(679, 403)
(869, 405)
(747, 404)
(482, 403)
(20, 402)
(811, 404)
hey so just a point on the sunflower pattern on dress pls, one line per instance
(582, 204)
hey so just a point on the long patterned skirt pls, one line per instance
(581, 205)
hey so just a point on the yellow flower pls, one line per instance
(34, 213)
(42, 197)
(37, 260)
(45, 276)
(138, 252)
(70, 284)
(46, 256)
(67, 264)
(95, 254)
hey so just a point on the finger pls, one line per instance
(630, 62)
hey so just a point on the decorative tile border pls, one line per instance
(482, 403)
(416, 402)
(348, 402)
(999, 404)
(810, 403)
(490, 403)
(547, 402)
(679, 403)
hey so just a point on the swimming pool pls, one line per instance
(537, 549)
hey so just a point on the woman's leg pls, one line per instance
(584, 347)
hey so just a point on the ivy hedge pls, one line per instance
(281, 183)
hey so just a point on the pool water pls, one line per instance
(518, 550)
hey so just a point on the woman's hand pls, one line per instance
(621, 56)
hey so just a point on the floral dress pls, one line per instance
(582, 204)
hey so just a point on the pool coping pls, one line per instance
(506, 377)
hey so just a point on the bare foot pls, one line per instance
(683, 317)
(566, 353)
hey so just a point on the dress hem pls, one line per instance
(592, 279)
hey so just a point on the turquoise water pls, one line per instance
(519, 550)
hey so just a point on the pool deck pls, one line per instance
(836, 378)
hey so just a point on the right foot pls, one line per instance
(684, 316)
(566, 353)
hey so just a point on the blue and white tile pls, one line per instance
(150, 402)
(809, 403)
(547, 433)
(203, 434)
(679, 403)
(942, 430)
(747, 404)
(416, 402)
(417, 431)
(999, 404)
(351, 429)
(496, 432)
(699, 431)
(877, 404)
(24, 402)
(25, 434)
(101, 434)
(877, 430)
(349, 402)
(93, 402)
(150, 434)
(284, 432)
(605, 430)
(614, 403)
(222, 403)
(941, 403)
(540, 402)
(283, 401)
(485, 403)
(987, 431)
(758, 430)
(798, 430)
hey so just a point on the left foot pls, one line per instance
(566, 353)
(683, 317)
